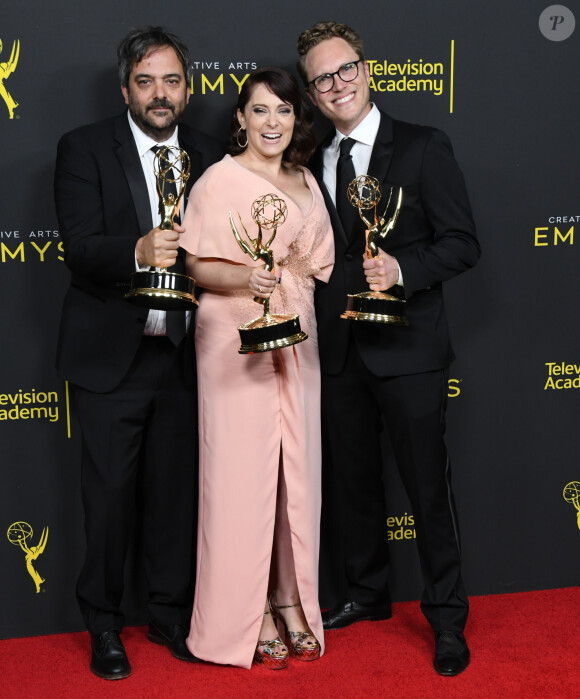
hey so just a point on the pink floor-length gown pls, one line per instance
(255, 412)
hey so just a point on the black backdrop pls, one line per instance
(504, 86)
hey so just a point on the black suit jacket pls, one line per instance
(434, 240)
(103, 207)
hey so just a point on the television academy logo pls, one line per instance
(406, 76)
(434, 76)
(29, 405)
(557, 23)
(6, 70)
(401, 528)
(562, 376)
(18, 534)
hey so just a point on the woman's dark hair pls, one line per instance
(282, 84)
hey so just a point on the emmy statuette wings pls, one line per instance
(6, 69)
(269, 331)
(364, 193)
(160, 289)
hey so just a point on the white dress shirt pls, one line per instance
(155, 324)
(364, 136)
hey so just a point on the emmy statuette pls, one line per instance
(572, 495)
(364, 193)
(160, 289)
(270, 331)
(18, 534)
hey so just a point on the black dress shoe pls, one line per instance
(349, 612)
(173, 637)
(451, 653)
(109, 660)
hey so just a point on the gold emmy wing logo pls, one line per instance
(19, 534)
(6, 70)
(572, 495)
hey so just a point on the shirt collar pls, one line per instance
(365, 132)
(144, 142)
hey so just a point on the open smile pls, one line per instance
(345, 99)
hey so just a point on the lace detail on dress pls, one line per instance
(298, 268)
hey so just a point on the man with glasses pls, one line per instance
(377, 376)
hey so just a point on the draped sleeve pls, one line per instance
(303, 244)
(208, 233)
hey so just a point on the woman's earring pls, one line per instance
(241, 145)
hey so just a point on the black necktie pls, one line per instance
(174, 320)
(345, 174)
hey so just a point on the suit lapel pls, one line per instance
(316, 166)
(337, 227)
(382, 150)
(128, 156)
(379, 165)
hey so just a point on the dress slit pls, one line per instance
(259, 418)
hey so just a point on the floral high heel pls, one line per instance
(272, 654)
(304, 644)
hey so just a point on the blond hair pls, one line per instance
(320, 32)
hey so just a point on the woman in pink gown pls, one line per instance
(259, 426)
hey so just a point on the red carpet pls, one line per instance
(522, 645)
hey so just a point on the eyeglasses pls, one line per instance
(347, 72)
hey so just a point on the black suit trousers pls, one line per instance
(139, 445)
(356, 406)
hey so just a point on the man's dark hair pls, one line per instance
(138, 42)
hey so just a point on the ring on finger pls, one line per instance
(371, 280)
(260, 288)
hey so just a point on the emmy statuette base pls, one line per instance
(270, 332)
(376, 307)
(162, 291)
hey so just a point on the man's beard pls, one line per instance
(149, 125)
